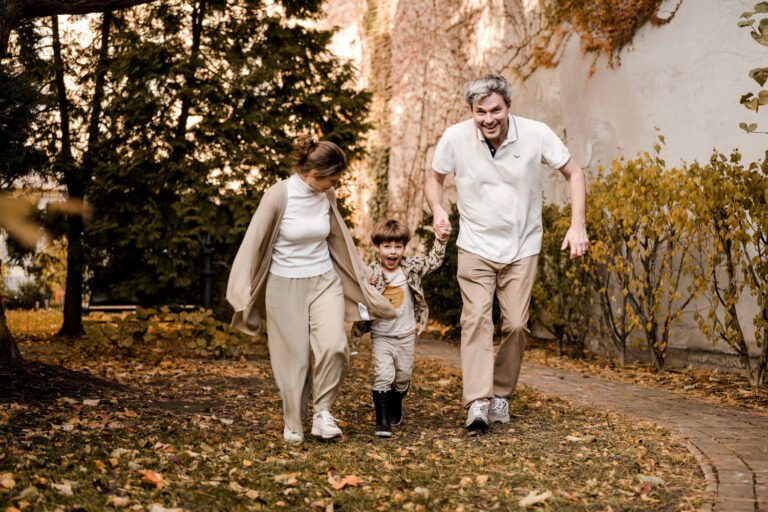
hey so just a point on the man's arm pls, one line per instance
(576, 237)
(433, 190)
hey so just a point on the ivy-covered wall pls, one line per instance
(684, 77)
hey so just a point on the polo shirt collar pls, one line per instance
(511, 131)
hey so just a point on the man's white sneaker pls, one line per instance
(291, 436)
(499, 412)
(324, 425)
(477, 416)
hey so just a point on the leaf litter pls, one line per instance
(155, 440)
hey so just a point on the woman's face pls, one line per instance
(319, 183)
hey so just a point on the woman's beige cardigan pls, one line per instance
(246, 289)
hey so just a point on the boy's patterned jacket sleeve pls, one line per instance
(433, 260)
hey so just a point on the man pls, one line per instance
(496, 158)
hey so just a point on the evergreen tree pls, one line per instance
(18, 107)
(171, 119)
(207, 98)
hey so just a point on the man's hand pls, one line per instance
(577, 239)
(441, 225)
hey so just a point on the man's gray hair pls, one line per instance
(483, 87)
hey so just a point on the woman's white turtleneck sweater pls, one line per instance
(300, 249)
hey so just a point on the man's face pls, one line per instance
(390, 254)
(490, 115)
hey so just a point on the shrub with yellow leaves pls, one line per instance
(645, 249)
(731, 212)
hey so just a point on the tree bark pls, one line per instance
(9, 351)
(16, 11)
(76, 178)
(198, 15)
(73, 309)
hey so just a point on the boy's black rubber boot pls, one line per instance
(396, 404)
(381, 400)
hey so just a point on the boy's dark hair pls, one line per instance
(390, 231)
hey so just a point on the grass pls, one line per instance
(206, 435)
(40, 324)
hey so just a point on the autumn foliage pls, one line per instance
(604, 26)
(663, 241)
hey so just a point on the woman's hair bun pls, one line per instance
(325, 157)
(304, 144)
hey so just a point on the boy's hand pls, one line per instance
(444, 237)
(373, 280)
(441, 225)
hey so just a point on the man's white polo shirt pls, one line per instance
(499, 197)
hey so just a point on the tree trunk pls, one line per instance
(8, 349)
(76, 178)
(73, 309)
(180, 143)
(73, 294)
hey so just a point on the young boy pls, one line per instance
(398, 278)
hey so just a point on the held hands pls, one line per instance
(577, 239)
(441, 225)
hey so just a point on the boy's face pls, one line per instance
(390, 254)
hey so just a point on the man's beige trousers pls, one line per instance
(306, 316)
(512, 283)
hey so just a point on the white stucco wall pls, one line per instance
(685, 78)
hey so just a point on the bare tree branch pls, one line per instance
(13, 12)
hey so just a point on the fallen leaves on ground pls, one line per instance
(191, 434)
(709, 385)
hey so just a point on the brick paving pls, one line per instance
(730, 444)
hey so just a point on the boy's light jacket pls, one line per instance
(414, 269)
(247, 285)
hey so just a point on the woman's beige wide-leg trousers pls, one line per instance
(305, 316)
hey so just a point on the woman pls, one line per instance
(298, 267)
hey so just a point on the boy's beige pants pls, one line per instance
(392, 361)
(305, 316)
(512, 283)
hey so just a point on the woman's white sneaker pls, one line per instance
(324, 425)
(291, 436)
(499, 412)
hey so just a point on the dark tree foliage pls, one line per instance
(179, 126)
(18, 109)
(441, 288)
(206, 98)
